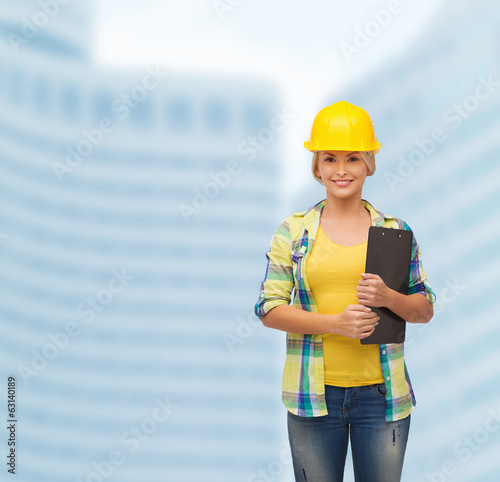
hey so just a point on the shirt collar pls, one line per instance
(312, 215)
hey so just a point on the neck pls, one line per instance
(343, 208)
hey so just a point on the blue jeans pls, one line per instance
(319, 444)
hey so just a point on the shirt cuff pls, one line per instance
(265, 305)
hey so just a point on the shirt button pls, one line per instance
(384, 352)
(262, 295)
(388, 379)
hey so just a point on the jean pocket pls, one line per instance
(381, 390)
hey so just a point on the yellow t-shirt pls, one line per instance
(333, 272)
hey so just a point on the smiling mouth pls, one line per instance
(342, 182)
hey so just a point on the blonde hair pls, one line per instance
(367, 156)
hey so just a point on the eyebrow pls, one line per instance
(347, 154)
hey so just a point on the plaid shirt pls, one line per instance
(303, 378)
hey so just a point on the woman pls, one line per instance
(334, 387)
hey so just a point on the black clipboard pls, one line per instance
(388, 254)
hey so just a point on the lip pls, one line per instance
(342, 182)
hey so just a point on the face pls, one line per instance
(343, 173)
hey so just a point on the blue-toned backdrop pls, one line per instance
(149, 149)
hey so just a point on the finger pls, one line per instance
(370, 326)
(370, 276)
(358, 308)
(366, 289)
(365, 282)
(362, 292)
(367, 334)
(365, 301)
(364, 295)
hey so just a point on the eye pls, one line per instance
(328, 159)
(353, 159)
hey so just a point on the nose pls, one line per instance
(341, 168)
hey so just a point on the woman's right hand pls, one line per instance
(356, 321)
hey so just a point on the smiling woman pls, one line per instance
(335, 388)
(368, 157)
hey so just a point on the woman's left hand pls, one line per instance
(372, 291)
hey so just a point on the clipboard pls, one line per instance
(388, 254)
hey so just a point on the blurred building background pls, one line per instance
(169, 193)
(137, 206)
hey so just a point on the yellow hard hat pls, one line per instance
(342, 127)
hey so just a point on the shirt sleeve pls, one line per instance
(418, 279)
(277, 287)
